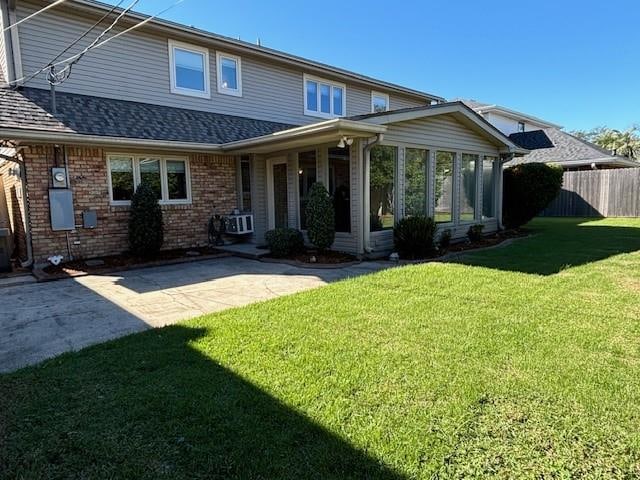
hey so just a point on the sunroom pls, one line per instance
(442, 161)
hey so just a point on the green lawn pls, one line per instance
(523, 362)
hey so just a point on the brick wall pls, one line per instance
(213, 184)
(13, 217)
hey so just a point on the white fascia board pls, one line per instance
(517, 116)
(337, 125)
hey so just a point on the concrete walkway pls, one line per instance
(39, 321)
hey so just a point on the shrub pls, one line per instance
(321, 217)
(146, 228)
(284, 241)
(528, 189)
(414, 237)
(475, 232)
(445, 239)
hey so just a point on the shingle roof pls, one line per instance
(564, 148)
(30, 108)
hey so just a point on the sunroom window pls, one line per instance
(167, 177)
(415, 172)
(469, 188)
(382, 182)
(189, 69)
(444, 186)
(324, 98)
(490, 172)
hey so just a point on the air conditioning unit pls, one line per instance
(239, 224)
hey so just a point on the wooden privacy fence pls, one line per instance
(598, 193)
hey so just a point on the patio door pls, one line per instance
(277, 192)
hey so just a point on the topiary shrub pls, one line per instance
(321, 217)
(414, 237)
(284, 242)
(474, 234)
(528, 189)
(146, 227)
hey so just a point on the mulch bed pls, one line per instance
(488, 241)
(114, 263)
(322, 259)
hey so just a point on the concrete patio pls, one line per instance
(39, 321)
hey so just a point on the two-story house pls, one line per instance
(216, 124)
(547, 142)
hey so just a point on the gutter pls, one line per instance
(366, 204)
(49, 137)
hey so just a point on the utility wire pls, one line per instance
(86, 32)
(72, 58)
(58, 2)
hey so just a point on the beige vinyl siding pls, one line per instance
(135, 67)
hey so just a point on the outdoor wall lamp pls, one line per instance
(345, 141)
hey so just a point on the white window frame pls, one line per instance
(313, 113)
(172, 69)
(524, 127)
(375, 94)
(163, 177)
(236, 92)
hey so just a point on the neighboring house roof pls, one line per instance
(488, 107)
(258, 50)
(565, 150)
(30, 109)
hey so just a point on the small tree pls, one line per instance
(321, 217)
(528, 189)
(146, 228)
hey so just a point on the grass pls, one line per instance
(523, 362)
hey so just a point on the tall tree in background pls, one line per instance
(626, 143)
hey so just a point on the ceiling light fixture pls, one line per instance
(345, 141)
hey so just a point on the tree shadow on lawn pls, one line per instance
(152, 406)
(557, 244)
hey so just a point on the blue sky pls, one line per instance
(576, 63)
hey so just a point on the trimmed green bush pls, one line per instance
(528, 189)
(414, 237)
(474, 234)
(146, 227)
(284, 241)
(321, 217)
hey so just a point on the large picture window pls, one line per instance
(168, 177)
(382, 187)
(415, 173)
(189, 69)
(444, 186)
(490, 172)
(323, 98)
(468, 192)
(340, 187)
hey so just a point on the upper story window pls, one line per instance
(323, 98)
(229, 68)
(379, 102)
(189, 69)
(520, 126)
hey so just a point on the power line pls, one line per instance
(86, 32)
(58, 2)
(27, 78)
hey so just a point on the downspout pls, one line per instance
(25, 205)
(366, 159)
